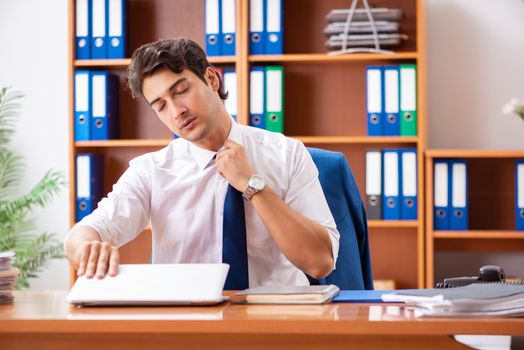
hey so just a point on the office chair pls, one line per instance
(353, 267)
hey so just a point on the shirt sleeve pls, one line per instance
(305, 194)
(124, 213)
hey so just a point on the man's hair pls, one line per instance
(173, 54)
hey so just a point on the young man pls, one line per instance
(181, 189)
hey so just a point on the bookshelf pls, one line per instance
(324, 106)
(491, 201)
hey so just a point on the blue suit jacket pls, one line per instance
(353, 268)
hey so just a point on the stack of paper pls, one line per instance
(479, 299)
(290, 294)
(8, 276)
(360, 31)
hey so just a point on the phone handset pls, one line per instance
(487, 274)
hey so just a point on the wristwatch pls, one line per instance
(255, 184)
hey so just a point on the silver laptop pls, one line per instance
(157, 284)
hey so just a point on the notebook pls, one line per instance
(290, 294)
(157, 284)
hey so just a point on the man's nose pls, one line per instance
(178, 111)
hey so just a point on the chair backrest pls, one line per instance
(353, 268)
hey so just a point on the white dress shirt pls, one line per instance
(180, 193)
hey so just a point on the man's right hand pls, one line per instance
(97, 258)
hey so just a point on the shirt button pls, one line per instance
(221, 213)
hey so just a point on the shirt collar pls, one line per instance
(235, 133)
(203, 156)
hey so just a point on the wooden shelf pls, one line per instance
(478, 234)
(356, 139)
(304, 139)
(123, 143)
(463, 153)
(116, 63)
(124, 62)
(393, 223)
(322, 57)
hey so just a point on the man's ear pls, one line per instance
(212, 78)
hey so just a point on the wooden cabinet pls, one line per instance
(491, 206)
(324, 106)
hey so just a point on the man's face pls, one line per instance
(183, 102)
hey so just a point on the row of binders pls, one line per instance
(265, 27)
(266, 98)
(450, 195)
(96, 105)
(220, 26)
(100, 29)
(391, 100)
(266, 30)
(360, 31)
(391, 184)
(89, 186)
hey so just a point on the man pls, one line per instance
(181, 189)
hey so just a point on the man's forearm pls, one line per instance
(78, 237)
(303, 241)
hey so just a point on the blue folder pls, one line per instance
(116, 28)
(83, 29)
(458, 211)
(88, 183)
(82, 105)
(364, 296)
(441, 194)
(105, 105)
(391, 184)
(212, 27)
(374, 101)
(98, 29)
(274, 27)
(228, 27)
(391, 100)
(257, 35)
(257, 98)
(519, 195)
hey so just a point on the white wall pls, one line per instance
(475, 66)
(33, 59)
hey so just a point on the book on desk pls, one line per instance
(290, 294)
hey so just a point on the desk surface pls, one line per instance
(49, 312)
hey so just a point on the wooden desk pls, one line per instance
(44, 320)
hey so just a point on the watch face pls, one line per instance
(257, 182)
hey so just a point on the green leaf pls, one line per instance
(9, 109)
(10, 168)
(40, 195)
(31, 260)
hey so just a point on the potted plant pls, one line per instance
(18, 231)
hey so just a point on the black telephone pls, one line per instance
(487, 274)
